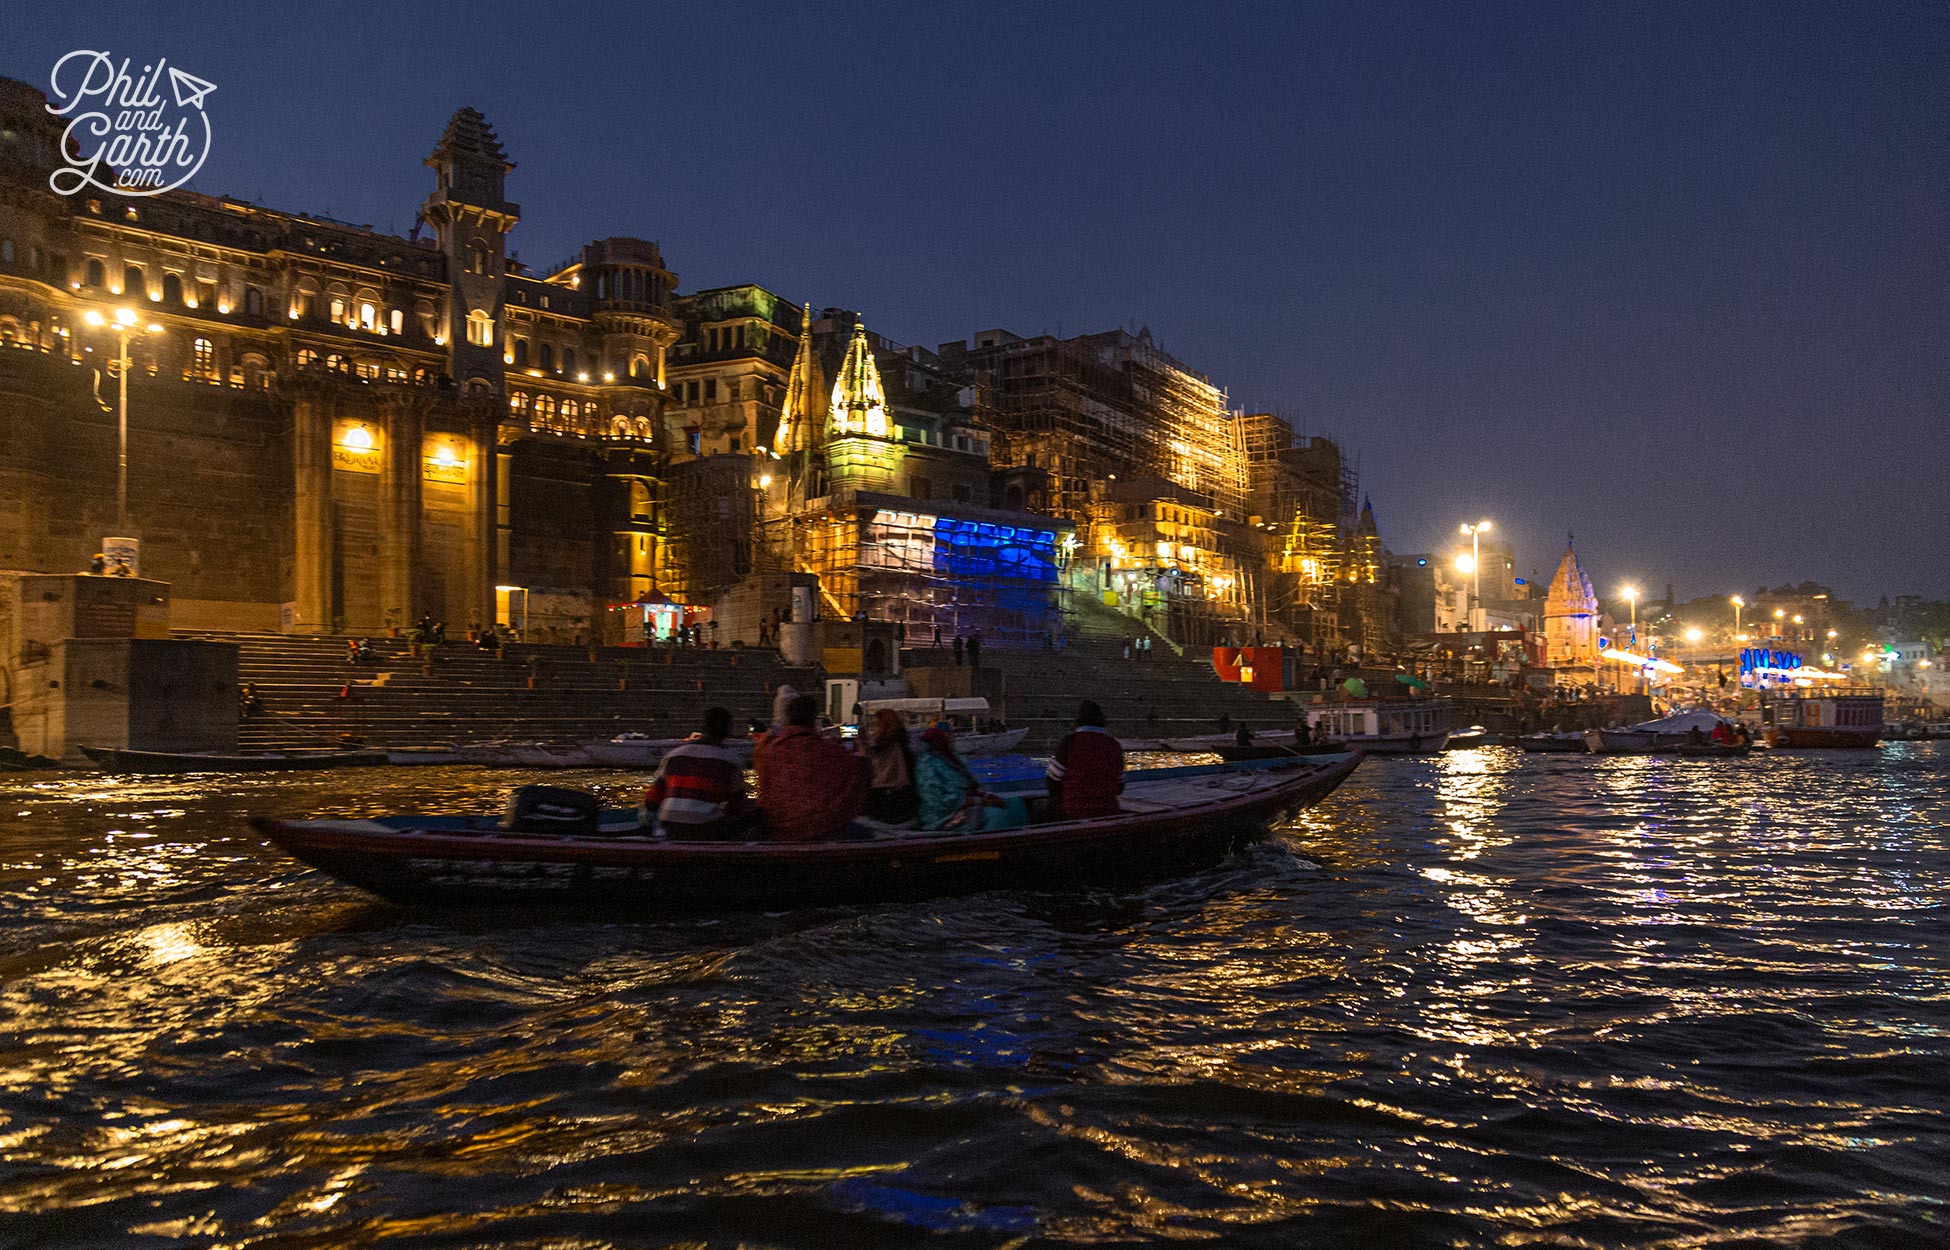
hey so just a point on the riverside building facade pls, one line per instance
(333, 428)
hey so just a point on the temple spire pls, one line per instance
(859, 402)
(800, 417)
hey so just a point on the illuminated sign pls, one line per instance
(445, 465)
(354, 449)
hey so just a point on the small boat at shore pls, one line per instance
(1850, 718)
(124, 760)
(1385, 726)
(1467, 739)
(1569, 742)
(1168, 825)
(1237, 754)
(1690, 728)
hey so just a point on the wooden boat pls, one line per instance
(1466, 739)
(1236, 754)
(1713, 750)
(1168, 825)
(1569, 741)
(123, 760)
(966, 715)
(1196, 743)
(1822, 718)
(1654, 736)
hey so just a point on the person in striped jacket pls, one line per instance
(698, 792)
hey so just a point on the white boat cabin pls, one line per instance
(1377, 719)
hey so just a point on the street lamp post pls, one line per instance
(1476, 571)
(1632, 598)
(1738, 603)
(122, 323)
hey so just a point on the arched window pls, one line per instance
(639, 366)
(338, 308)
(480, 328)
(572, 416)
(338, 364)
(620, 427)
(95, 274)
(639, 501)
(133, 282)
(548, 356)
(478, 259)
(256, 370)
(368, 315)
(253, 302)
(397, 321)
(172, 289)
(307, 358)
(568, 359)
(521, 353)
(643, 428)
(203, 358)
(545, 412)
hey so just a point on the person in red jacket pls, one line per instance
(809, 786)
(1087, 773)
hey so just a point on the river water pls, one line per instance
(1482, 998)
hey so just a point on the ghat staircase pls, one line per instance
(312, 696)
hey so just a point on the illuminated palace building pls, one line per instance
(332, 428)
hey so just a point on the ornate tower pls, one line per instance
(1571, 616)
(859, 401)
(802, 417)
(472, 218)
(861, 451)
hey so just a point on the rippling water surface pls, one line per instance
(1477, 999)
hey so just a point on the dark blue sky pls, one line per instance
(1676, 277)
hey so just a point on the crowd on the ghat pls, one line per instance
(811, 786)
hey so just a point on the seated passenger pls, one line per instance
(1723, 733)
(891, 792)
(810, 786)
(1087, 773)
(698, 792)
(951, 798)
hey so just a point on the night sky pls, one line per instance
(1675, 277)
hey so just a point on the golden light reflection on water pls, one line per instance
(1497, 997)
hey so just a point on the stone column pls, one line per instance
(399, 515)
(478, 538)
(313, 548)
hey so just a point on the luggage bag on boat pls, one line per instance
(551, 809)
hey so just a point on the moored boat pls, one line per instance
(1168, 825)
(124, 760)
(1385, 726)
(1849, 717)
(1693, 727)
(1566, 741)
(1465, 739)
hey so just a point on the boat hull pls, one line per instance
(1823, 737)
(449, 862)
(1565, 743)
(120, 760)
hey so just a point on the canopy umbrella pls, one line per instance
(1411, 681)
(1355, 688)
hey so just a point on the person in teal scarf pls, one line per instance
(951, 798)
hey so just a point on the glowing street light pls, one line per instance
(123, 323)
(1693, 634)
(1738, 603)
(1475, 569)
